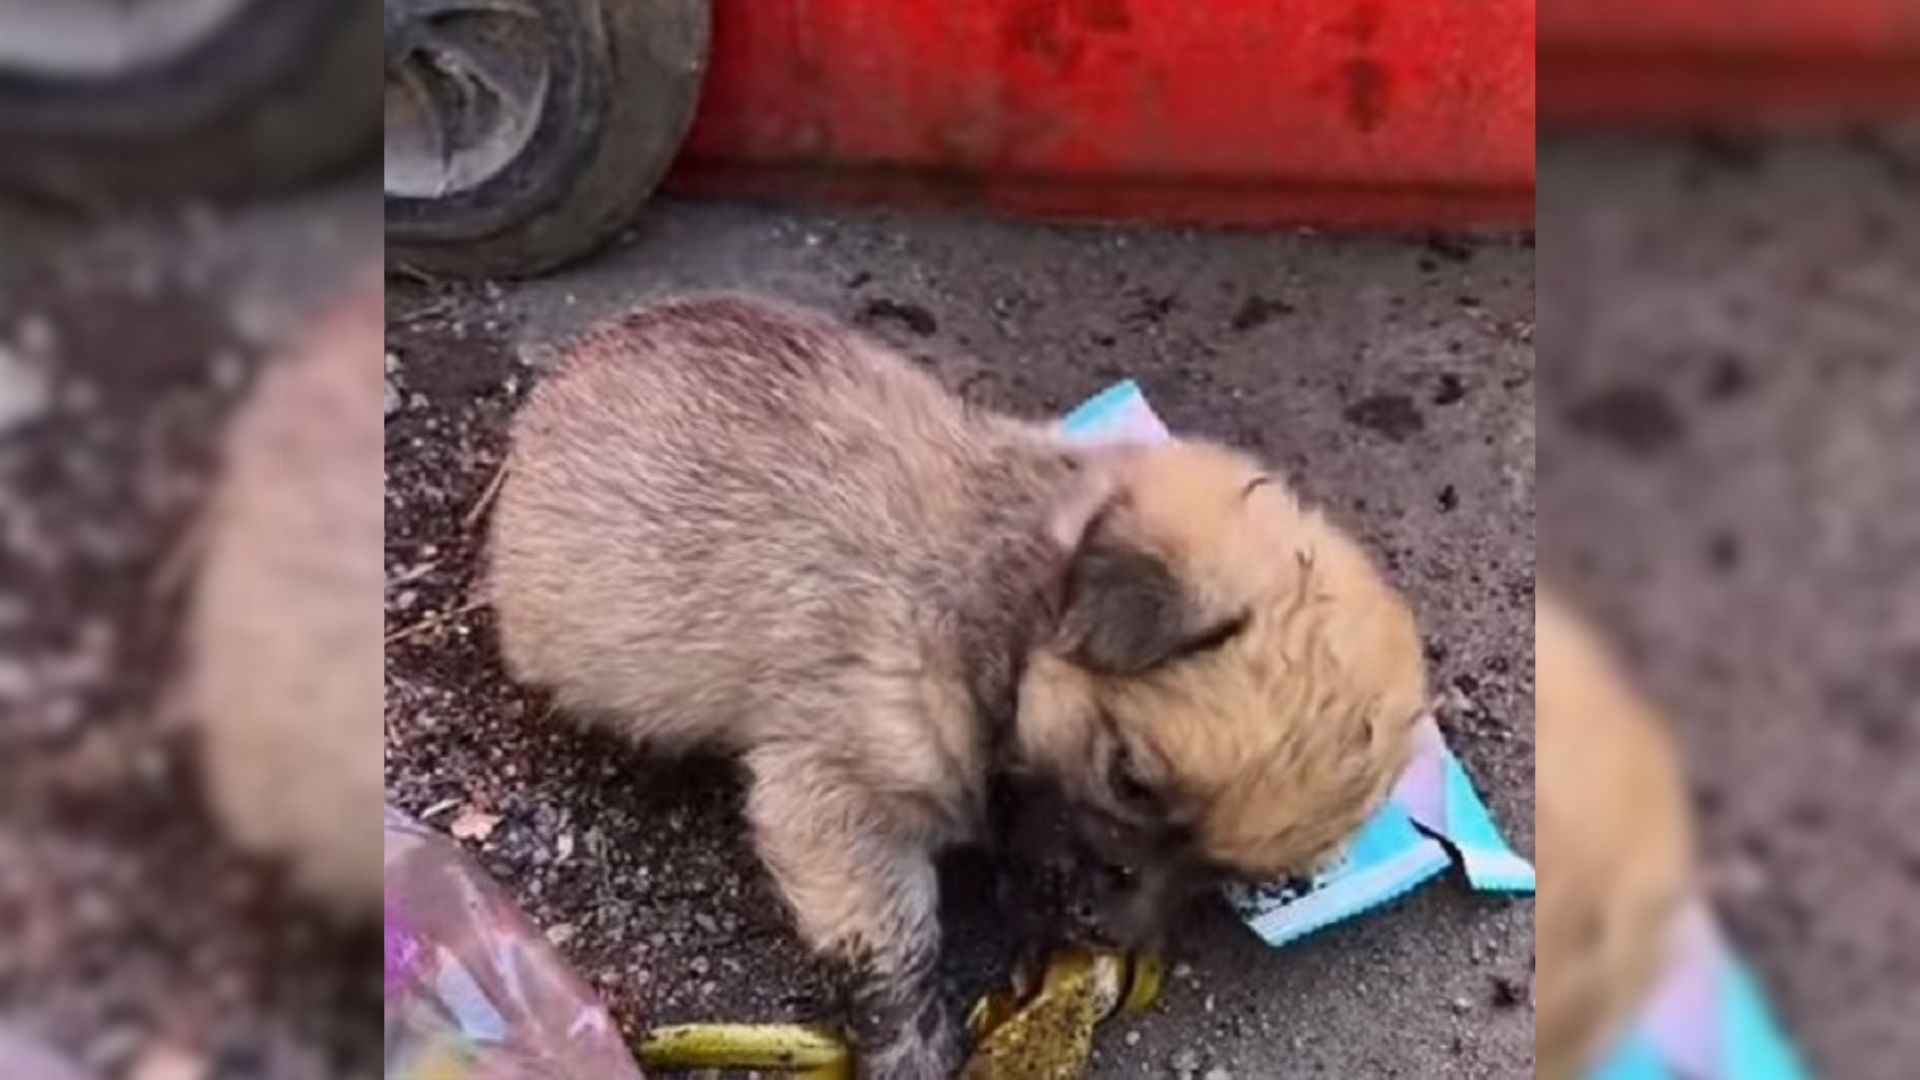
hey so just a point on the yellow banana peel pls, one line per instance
(793, 1049)
(1048, 1034)
(1039, 1029)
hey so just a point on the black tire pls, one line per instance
(623, 78)
(278, 93)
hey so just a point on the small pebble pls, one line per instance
(1186, 1062)
(1217, 1073)
(1462, 1005)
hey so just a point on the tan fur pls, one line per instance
(733, 524)
(1276, 746)
(1614, 844)
(286, 624)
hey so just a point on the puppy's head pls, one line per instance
(1230, 689)
(1614, 846)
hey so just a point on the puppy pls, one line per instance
(1614, 845)
(731, 524)
(286, 622)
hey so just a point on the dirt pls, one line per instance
(135, 935)
(1393, 377)
(1731, 464)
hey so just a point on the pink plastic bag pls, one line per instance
(473, 990)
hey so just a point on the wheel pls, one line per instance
(524, 133)
(102, 100)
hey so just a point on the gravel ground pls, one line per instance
(135, 939)
(1731, 457)
(1394, 378)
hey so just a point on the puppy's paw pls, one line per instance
(928, 1048)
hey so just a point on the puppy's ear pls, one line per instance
(1125, 611)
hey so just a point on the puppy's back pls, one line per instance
(285, 629)
(709, 500)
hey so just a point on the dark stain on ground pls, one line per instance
(1878, 698)
(1636, 419)
(1728, 379)
(1745, 155)
(1392, 416)
(1449, 499)
(1508, 992)
(1366, 92)
(911, 316)
(1442, 248)
(1451, 390)
(1451, 248)
(1257, 312)
(1723, 552)
(1153, 308)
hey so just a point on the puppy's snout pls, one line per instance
(1115, 906)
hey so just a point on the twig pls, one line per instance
(435, 620)
(479, 508)
(401, 268)
(183, 556)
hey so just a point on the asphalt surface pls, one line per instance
(1730, 457)
(1392, 378)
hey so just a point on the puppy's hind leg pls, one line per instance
(864, 892)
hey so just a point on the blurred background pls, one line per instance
(1729, 464)
(186, 189)
(1728, 219)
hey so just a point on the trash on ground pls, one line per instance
(473, 989)
(798, 1050)
(1705, 1019)
(1046, 1032)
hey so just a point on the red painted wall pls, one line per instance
(1728, 60)
(1265, 112)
